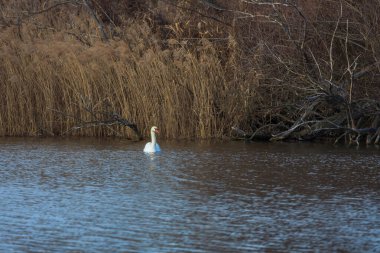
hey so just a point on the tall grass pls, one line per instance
(195, 76)
(47, 86)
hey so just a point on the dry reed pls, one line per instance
(193, 76)
(47, 86)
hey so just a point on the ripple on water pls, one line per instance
(108, 196)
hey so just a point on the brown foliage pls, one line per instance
(195, 68)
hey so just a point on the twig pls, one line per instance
(332, 42)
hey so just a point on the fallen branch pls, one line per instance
(105, 118)
(115, 120)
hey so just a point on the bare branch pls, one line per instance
(196, 12)
(96, 19)
(106, 118)
(332, 42)
(73, 2)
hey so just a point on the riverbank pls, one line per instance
(196, 71)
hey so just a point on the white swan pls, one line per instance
(152, 146)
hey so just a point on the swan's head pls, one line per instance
(154, 130)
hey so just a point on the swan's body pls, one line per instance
(152, 146)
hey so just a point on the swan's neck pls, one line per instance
(153, 135)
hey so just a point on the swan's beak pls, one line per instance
(156, 131)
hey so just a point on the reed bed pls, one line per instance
(282, 71)
(47, 89)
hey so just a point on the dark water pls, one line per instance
(89, 195)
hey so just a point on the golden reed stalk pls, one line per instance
(45, 86)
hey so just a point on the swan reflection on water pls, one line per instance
(152, 160)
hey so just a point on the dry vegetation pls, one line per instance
(198, 69)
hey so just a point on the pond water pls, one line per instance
(106, 195)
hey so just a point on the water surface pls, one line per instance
(94, 195)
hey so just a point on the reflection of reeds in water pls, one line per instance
(183, 93)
